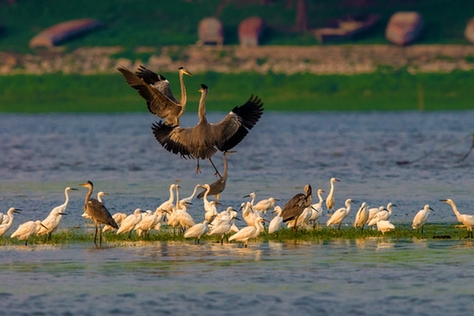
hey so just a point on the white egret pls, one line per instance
(149, 220)
(54, 218)
(26, 230)
(168, 205)
(248, 214)
(330, 201)
(385, 214)
(252, 198)
(265, 205)
(466, 219)
(129, 223)
(373, 211)
(248, 232)
(9, 222)
(338, 216)
(384, 226)
(190, 198)
(421, 217)
(209, 207)
(317, 209)
(220, 227)
(361, 216)
(277, 222)
(197, 231)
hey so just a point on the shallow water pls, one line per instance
(42, 154)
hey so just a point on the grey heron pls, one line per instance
(203, 140)
(98, 212)
(218, 186)
(296, 205)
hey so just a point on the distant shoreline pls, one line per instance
(326, 59)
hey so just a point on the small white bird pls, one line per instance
(277, 222)
(361, 216)
(338, 216)
(248, 232)
(466, 219)
(197, 231)
(317, 209)
(385, 214)
(248, 214)
(265, 205)
(118, 217)
(220, 227)
(373, 211)
(54, 218)
(384, 226)
(421, 217)
(330, 201)
(7, 224)
(128, 224)
(149, 220)
(25, 230)
(168, 205)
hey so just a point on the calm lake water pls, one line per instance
(42, 154)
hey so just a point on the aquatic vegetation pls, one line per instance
(318, 234)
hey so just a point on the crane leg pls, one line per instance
(217, 171)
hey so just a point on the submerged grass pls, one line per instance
(318, 234)
(396, 90)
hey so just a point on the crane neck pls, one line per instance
(184, 96)
(202, 106)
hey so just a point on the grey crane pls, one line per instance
(218, 186)
(295, 206)
(98, 212)
(203, 140)
(156, 90)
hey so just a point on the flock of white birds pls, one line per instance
(173, 212)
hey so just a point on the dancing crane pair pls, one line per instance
(203, 140)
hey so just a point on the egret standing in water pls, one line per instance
(197, 231)
(466, 219)
(421, 217)
(338, 216)
(248, 232)
(26, 230)
(156, 90)
(204, 140)
(97, 212)
(218, 186)
(361, 216)
(54, 218)
(296, 205)
(7, 224)
(330, 198)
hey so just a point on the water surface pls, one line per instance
(42, 154)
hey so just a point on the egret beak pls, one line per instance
(62, 213)
(74, 189)
(17, 210)
(44, 226)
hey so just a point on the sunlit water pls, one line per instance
(42, 154)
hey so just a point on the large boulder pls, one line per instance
(210, 31)
(250, 31)
(404, 28)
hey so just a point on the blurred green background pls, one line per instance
(134, 23)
